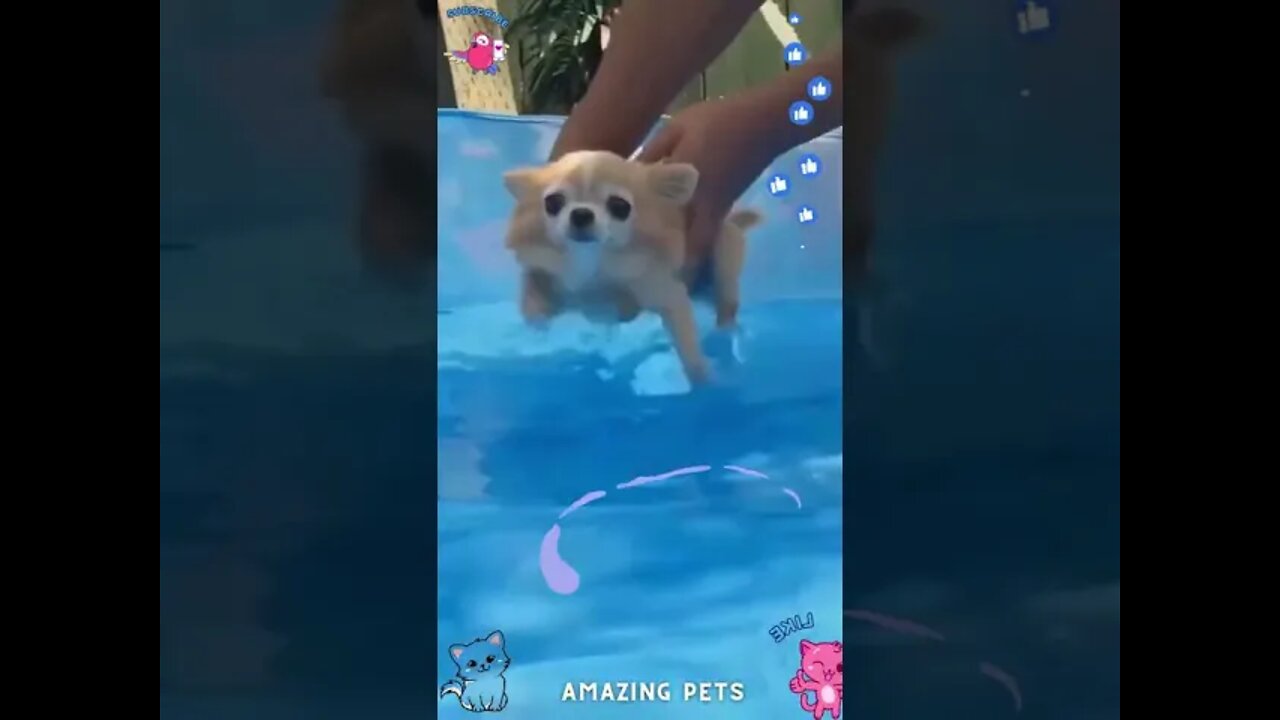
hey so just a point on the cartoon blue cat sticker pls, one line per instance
(479, 683)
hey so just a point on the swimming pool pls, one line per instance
(681, 579)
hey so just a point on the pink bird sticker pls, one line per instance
(482, 56)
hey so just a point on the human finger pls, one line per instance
(661, 146)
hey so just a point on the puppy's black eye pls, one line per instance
(471, 663)
(489, 659)
(620, 209)
(553, 203)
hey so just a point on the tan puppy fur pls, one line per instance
(606, 236)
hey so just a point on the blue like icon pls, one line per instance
(810, 166)
(800, 112)
(806, 215)
(779, 185)
(794, 18)
(794, 54)
(1033, 17)
(819, 89)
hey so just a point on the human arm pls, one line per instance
(764, 109)
(732, 141)
(655, 47)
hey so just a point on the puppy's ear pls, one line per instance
(520, 181)
(674, 181)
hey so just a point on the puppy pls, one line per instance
(605, 236)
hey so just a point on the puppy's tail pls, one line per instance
(744, 219)
(888, 28)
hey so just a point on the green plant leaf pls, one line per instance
(557, 53)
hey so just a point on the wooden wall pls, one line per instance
(471, 90)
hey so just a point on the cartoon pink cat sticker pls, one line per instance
(821, 673)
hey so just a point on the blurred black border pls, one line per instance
(359, 579)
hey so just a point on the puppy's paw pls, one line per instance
(535, 309)
(698, 373)
(726, 315)
(718, 346)
(723, 347)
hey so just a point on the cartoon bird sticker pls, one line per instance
(483, 56)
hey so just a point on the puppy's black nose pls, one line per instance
(581, 218)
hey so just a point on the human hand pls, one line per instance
(727, 141)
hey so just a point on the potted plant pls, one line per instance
(559, 44)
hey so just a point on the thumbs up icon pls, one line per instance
(779, 185)
(794, 54)
(801, 113)
(1033, 18)
(794, 18)
(810, 165)
(819, 89)
(806, 215)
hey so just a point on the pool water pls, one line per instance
(681, 579)
(678, 580)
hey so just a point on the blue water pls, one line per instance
(970, 456)
(680, 580)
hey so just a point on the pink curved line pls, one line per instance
(560, 575)
(746, 471)
(905, 627)
(794, 496)
(1004, 679)
(646, 479)
(590, 497)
